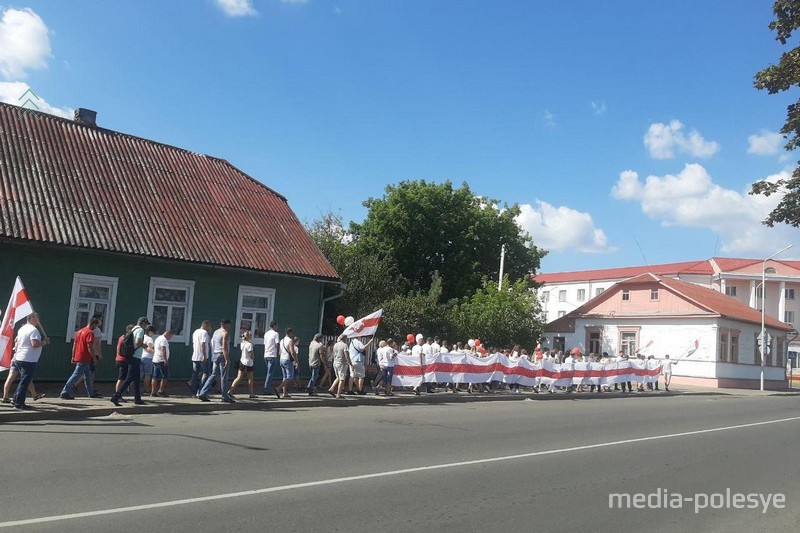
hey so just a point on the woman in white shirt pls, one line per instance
(245, 365)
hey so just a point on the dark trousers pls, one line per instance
(314, 377)
(25, 369)
(197, 381)
(134, 377)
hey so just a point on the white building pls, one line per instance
(660, 315)
(563, 292)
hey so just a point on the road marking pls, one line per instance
(282, 488)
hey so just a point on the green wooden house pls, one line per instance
(98, 221)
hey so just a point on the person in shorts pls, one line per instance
(341, 364)
(245, 365)
(358, 372)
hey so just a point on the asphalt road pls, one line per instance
(495, 466)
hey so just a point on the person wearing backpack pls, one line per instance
(132, 349)
(122, 362)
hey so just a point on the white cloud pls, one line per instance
(765, 143)
(692, 199)
(559, 229)
(599, 107)
(663, 140)
(11, 91)
(549, 119)
(237, 8)
(24, 43)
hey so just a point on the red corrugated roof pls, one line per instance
(729, 264)
(687, 267)
(77, 185)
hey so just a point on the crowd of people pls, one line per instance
(339, 367)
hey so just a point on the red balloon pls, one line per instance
(477, 342)
(410, 337)
(340, 320)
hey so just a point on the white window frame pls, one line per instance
(562, 296)
(561, 313)
(545, 296)
(581, 295)
(788, 294)
(730, 290)
(171, 283)
(260, 292)
(598, 291)
(653, 295)
(108, 320)
(787, 315)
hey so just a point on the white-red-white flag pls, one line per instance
(364, 327)
(19, 307)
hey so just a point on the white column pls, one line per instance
(753, 302)
(722, 285)
(782, 302)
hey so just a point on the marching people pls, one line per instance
(28, 349)
(200, 338)
(245, 365)
(220, 355)
(121, 363)
(357, 353)
(296, 378)
(327, 365)
(271, 340)
(161, 364)
(134, 363)
(82, 357)
(341, 363)
(14, 374)
(666, 370)
(315, 358)
(288, 360)
(146, 364)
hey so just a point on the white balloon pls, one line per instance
(349, 321)
(471, 343)
(419, 337)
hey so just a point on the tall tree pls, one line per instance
(423, 228)
(775, 79)
(369, 279)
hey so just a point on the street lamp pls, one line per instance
(763, 309)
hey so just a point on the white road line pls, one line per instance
(295, 486)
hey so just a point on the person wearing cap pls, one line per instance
(314, 362)
(245, 365)
(220, 354)
(134, 365)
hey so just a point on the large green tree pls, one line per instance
(369, 280)
(775, 79)
(421, 228)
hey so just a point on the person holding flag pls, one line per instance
(29, 348)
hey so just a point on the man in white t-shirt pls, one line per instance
(161, 364)
(436, 347)
(29, 344)
(358, 352)
(418, 352)
(666, 370)
(271, 341)
(200, 338)
(148, 348)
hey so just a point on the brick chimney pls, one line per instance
(86, 116)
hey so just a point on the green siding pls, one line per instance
(48, 272)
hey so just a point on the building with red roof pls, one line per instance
(96, 221)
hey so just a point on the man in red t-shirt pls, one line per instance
(82, 352)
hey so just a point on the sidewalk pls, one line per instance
(54, 408)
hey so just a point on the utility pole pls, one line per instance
(502, 266)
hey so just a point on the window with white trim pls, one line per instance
(545, 296)
(653, 294)
(598, 291)
(561, 313)
(562, 296)
(628, 342)
(254, 310)
(92, 295)
(788, 317)
(789, 294)
(626, 295)
(169, 307)
(730, 290)
(581, 295)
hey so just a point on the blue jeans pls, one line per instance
(287, 369)
(314, 377)
(81, 369)
(272, 362)
(25, 369)
(197, 380)
(221, 370)
(134, 377)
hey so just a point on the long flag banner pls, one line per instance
(19, 307)
(364, 327)
(466, 368)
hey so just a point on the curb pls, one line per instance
(59, 412)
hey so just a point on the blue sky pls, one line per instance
(610, 122)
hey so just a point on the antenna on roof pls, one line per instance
(640, 251)
(715, 247)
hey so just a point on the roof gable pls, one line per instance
(76, 185)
